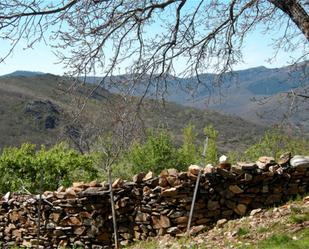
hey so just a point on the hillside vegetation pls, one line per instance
(39, 109)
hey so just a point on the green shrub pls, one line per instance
(212, 151)
(274, 143)
(21, 168)
(156, 154)
(188, 153)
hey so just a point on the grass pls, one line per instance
(243, 231)
(279, 241)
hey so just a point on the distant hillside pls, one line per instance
(38, 109)
(235, 92)
(22, 73)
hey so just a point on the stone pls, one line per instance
(138, 178)
(264, 162)
(173, 230)
(299, 161)
(118, 183)
(235, 189)
(284, 158)
(142, 217)
(274, 168)
(255, 211)
(248, 177)
(237, 169)
(70, 193)
(160, 222)
(183, 219)
(163, 182)
(169, 192)
(213, 205)
(196, 229)
(225, 166)
(221, 222)
(247, 166)
(241, 209)
(209, 169)
(223, 159)
(194, 169)
(225, 173)
(149, 176)
(79, 230)
(173, 181)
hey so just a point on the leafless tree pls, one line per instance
(151, 37)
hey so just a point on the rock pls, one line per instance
(70, 193)
(237, 169)
(284, 158)
(221, 222)
(173, 181)
(299, 161)
(161, 222)
(173, 230)
(138, 178)
(213, 205)
(247, 166)
(6, 197)
(118, 183)
(264, 162)
(274, 168)
(225, 173)
(255, 211)
(163, 182)
(196, 229)
(223, 159)
(169, 192)
(235, 189)
(209, 169)
(149, 176)
(241, 209)
(194, 169)
(183, 219)
(142, 217)
(248, 177)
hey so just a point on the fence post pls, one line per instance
(196, 187)
(113, 208)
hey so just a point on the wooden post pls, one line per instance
(39, 209)
(196, 187)
(113, 209)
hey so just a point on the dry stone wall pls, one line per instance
(149, 205)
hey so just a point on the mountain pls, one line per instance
(45, 109)
(22, 73)
(234, 93)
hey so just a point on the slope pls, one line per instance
(39, 109)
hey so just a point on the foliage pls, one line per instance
(212, 151)
(156, 154)
(20, 168)
(188, 153)
(159, 152)
(274, 143)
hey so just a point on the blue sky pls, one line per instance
(256, 51)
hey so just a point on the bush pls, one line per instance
(274, 143)
(188, 153)
(159, 152)
(21, 167)
(156, 154)
(212, 150)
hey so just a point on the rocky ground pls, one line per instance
(286, 227)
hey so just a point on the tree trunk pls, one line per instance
(296, 12)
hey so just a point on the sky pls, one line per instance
(256, 51)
